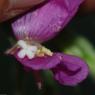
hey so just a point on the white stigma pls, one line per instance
(27, 50)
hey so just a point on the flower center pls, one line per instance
(30, 49)
(26, 50)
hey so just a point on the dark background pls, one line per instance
(15, 81)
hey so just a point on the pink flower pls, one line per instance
(42, 25)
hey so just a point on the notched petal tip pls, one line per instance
(71, 71)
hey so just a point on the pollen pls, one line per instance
(44, 51)
(47, 51)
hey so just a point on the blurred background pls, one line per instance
(77, 38)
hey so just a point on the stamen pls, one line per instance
(27, 50)
(47, 51)
(12, 50)
(30, 49)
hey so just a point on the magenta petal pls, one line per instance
(71, 71)
(40, 63)
(45, 22)
(71, 5)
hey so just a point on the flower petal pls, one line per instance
(45, 22)
(71, 71)
(71, 5)
(39, 63)
(21, 53)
